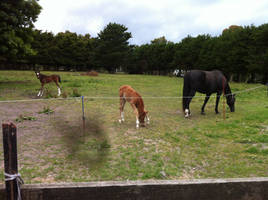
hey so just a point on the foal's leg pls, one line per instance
(204, 104)
(41, 91)
(121, 108)
(58, 86)
(137, 115)
(147, 119)
(217, 102)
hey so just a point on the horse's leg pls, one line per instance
(58, 86)
(137, 115)
(121, 108)
(187, 111)
(147, 119)
(204, 104)
(217, 102)
(41, 91)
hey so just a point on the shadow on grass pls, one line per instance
(88, 146)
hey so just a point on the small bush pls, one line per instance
(90, 73)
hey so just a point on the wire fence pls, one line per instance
(117, 97)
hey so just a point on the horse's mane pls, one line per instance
(227, 90)
(138, 101)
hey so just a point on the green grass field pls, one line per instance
(54, 148)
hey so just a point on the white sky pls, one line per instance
(150, 19)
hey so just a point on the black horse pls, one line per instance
(206, 82)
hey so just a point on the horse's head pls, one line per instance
(142, 116)
(37, 73)
(231, 102)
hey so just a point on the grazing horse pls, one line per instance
(126, 93)
(47, 79)
(206, 82)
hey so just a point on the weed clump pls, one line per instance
(22, 118)
(46, 110)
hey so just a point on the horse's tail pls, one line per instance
(59, 79)
(225, 86)
(186, 87)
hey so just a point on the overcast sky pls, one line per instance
(150, 19)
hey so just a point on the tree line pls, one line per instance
(240, 52)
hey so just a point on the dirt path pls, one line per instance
(36, 133)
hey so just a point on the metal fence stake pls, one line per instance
(83, 116)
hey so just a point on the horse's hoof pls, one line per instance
(120, 121)
(202, 113)
(187, 113)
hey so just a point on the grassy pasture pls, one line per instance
(53, 147)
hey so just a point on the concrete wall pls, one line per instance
(203, 189)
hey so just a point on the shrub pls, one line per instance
(90, 73)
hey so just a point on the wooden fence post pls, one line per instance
(12, 178)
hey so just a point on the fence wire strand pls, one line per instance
(117, 97)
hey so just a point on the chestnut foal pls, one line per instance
(126, 93)
(47, 79)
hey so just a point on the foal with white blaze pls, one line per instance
(127, 93)
(47, 79)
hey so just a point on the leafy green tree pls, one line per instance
(67, 50)
(153, 58)
(187, 53)
(259, 52)
(16, 23)
(235, 43)
(161, 57)
(113, 47)
(72, 51)
(160, 40)
(42, 44)
(206, 58)
(138, 60)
